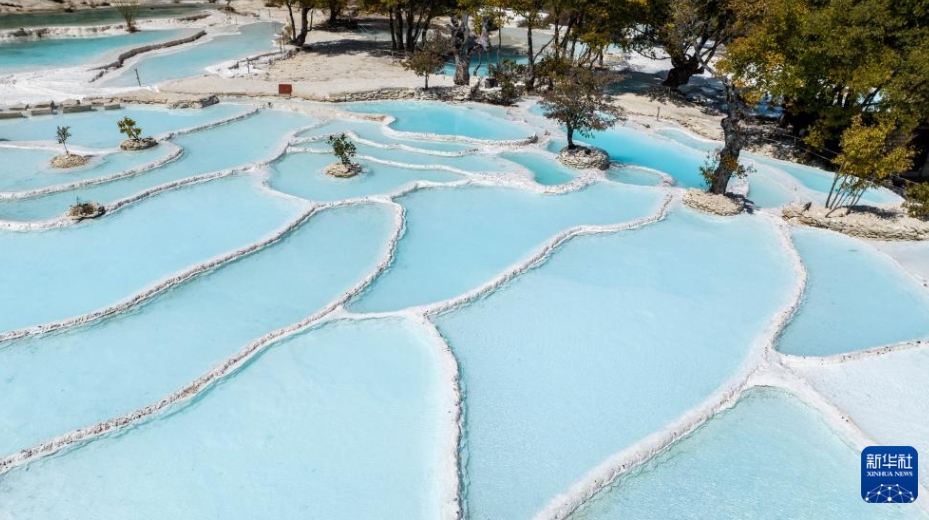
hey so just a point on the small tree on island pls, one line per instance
(128, 126)
(129, 9)
(578, 100)
(342, 148)
(430, 59)
(63, 134)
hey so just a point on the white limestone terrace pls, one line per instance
(764, 366)
(88, 79)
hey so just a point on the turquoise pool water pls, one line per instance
(89, 266)
(544, 168)
(302, 174)
(593, 322)
(99, 15)
(98, 129)
(444, 119)
(577, 349)
(135, 359)
(441, 254)
(812, 178)
(373, 131)
(838, 313)
(303, 429)
(865, 389)
(20, 56)
(693, 479)
(29, 169)
(255, 38)
(242, 148)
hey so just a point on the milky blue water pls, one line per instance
(545, 169)
(441, 254)
(471, 162)
(20, 56)
(98, 129)
(538, 356)
(28, 169)
(54, 384)
(816, 180)
(97, 263)
(726, 470)
(636, 175)
(255, 38)
(99, 15)
(608, 340)
(855, 298)
(342, 422)
(241, 147)
(373, 131)
(302, 174)
(444, 119)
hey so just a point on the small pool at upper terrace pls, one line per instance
(467, 326)
(97, 16)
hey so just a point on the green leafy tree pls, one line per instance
(128, 127)
(829, 61)
(507, 73)
(579, 101)
(343, 148)
(430, 59)
(63, 134)
(409, 20)
(691, 32)
(870, 154)
(917, 200)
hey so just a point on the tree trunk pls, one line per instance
(333, 16)
(410, 37)
(681, 72)
(462, 69)
(300, 39)
(427, 82)
(400, 45)
(393, 33)
(530, 81)
(570, 137)
(732, 144)
(290, 12)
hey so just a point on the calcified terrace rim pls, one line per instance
(164, 139)
(471, 179)
(112, 207)
(230, 365)
(763, 367)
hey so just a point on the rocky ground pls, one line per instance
(880, 223)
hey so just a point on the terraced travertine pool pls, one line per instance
(467, 329)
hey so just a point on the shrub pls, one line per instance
(129, 9)
(917, 200)
(127, 126)
(63, 133)
(342, 148)
(507, 73)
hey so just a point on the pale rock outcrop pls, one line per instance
(137, 144)
(879, 223)
(69, 160)
(712, 203)
(584, 157)
(343, 171)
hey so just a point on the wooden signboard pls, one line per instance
(285, 88)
